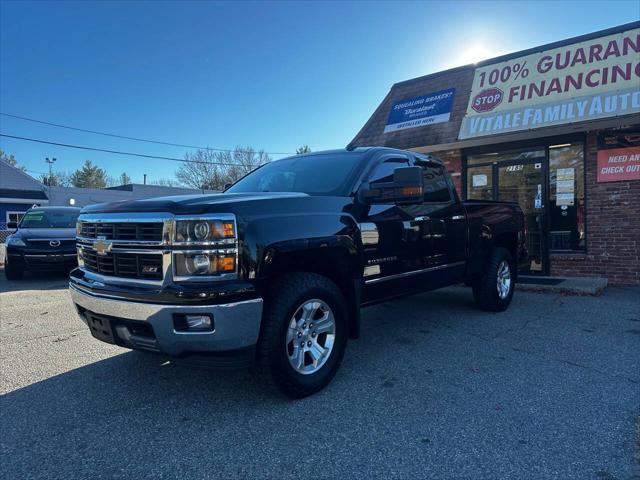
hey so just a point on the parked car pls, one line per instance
(44, 241)
(273, 272)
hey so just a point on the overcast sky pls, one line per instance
(273, 75)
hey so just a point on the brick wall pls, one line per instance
(613, 229)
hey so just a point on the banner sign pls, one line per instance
(585, 81)
(618, 164)
(420, 111)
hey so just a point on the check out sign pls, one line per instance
(619, 164)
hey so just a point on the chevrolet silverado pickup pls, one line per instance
(273, 272)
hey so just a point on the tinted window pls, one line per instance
(436, 187)
(325, 174)
(49, 219)
(384, 171)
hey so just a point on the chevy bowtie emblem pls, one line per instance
(101, 247)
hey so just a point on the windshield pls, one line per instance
(49, 219)
(321, 174)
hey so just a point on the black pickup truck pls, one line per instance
(273, 272)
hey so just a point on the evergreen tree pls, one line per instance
(89, 176)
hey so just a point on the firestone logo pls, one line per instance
(487, 100)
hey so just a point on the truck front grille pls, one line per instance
(146, 266)
(146, 231)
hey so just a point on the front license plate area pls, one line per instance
(100, 328)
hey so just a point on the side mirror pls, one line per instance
(407, 187)
(12, 225)
(227, 186)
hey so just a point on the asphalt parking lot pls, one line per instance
(432, 389)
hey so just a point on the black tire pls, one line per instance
(485, 290)
(287, 296)
(11, 272)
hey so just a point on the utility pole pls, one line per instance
(144, 182)
(50, 162)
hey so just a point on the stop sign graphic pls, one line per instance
(487, 100)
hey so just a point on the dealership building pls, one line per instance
(555, 128)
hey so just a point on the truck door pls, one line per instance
(393, 238)
(446, 245)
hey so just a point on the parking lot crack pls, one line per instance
(41, 337)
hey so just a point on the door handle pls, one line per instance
(457, 217)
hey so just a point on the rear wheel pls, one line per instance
(304, 334)
(11, 272)
(494, 290)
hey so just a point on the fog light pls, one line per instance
(192, 323)
(198, 322)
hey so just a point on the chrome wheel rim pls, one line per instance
(310, 336)
(504, 279)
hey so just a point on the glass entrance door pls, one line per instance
(524, 183)
(548, 184)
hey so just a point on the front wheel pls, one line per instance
(494, 290)
(304, 334)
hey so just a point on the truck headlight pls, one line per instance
(211, 247)
(202, 231)
(206, 264)
(15, 241)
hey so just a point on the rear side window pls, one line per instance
(384, 171)
(436, 187)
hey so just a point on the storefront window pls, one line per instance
(480, 183)
(566, 197)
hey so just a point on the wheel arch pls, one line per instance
(338, 262)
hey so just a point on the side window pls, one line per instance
(384, 171)
(436, 187)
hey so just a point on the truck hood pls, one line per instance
(50, 233)
(191, 204)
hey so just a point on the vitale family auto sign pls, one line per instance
(585, 81)
(420, 111)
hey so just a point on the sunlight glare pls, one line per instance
(474, 54)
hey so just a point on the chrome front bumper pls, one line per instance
(236, 325)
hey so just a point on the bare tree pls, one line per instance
(58, 179)
(11, 160)
(212, 170)
(124, 179)
(166, 182)
(303, 149)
